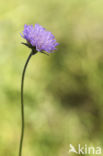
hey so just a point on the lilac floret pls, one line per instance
(40, 38)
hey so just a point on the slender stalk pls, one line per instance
(22, 102)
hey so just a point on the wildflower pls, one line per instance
(39, 38)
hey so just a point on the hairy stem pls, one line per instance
(22, 103)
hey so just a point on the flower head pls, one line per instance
(39, 38)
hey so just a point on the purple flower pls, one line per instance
(39, 38)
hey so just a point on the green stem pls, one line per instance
(22, 103)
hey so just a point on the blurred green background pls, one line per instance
(63, 92)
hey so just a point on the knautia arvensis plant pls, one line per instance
(38, 39)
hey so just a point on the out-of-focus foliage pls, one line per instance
(63, 92)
